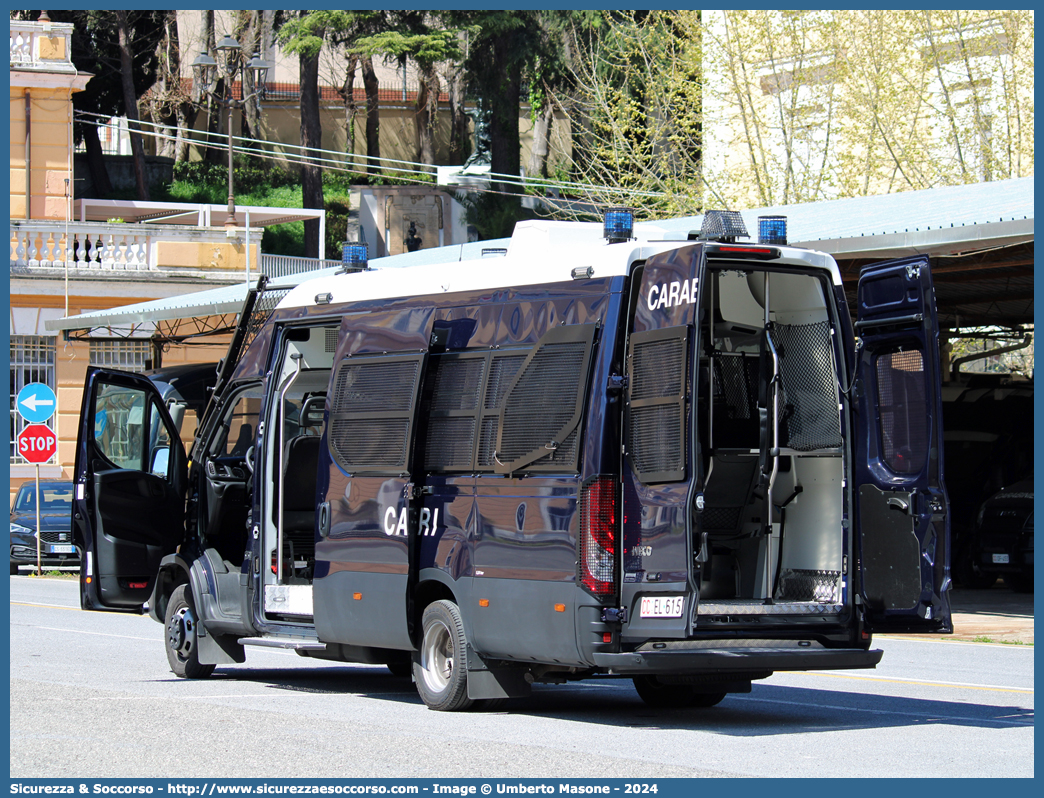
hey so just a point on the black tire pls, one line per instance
(14, 569)
(180, 638)
(440, 667)
(664, 696)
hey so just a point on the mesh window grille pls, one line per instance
(32, 360)
(902, 404)
(450, 442)
(543, 406)
(657, 388)
(736, 386)
(371, 415)
(808, 410)
(467, 394)
(125, 355)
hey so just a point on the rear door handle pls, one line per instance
(899, 504)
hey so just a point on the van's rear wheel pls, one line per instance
(181, 640)
(440, 668)
(657, 694)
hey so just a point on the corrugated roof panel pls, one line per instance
(889, 214)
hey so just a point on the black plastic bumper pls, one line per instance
(725, 660)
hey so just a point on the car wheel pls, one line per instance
(657, 694)
(181, 640)
(440, 668)
(14, 569)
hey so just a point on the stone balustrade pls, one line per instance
(100, 247)
(40, 45)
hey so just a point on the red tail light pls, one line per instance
(598, 533)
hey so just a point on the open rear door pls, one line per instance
(130, 474)
(901, 505)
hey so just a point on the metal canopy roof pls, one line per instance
(192, 213)
(979, 239)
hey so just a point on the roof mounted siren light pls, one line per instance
(618, 225)
(725, 226)
(772, 230)
(354, 255)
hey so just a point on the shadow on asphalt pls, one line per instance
(767, 710)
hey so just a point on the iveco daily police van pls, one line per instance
(602, 454)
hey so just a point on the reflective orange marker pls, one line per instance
(483, 602)
(560, 608)
(357, 596)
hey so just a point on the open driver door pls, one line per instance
(129, 502)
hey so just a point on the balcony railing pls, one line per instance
(43, 46)
(284, 265)
(40, 245)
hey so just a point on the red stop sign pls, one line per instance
(37, 443)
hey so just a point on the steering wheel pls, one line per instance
(248, 459)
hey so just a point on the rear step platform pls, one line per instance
(759, 607)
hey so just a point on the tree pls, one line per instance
(414, 35)
(827, 104)
(501, 46)
(118, 82)
(635, 103)
(305, 36)
(172, 110)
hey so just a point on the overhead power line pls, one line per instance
(409, 171)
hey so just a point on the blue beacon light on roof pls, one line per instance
(618, 225)
(354, 256)
(772, 230)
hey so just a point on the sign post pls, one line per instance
(37, 442)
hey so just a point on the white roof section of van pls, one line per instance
(539, 252)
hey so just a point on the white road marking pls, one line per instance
(901, 680)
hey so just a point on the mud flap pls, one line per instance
(218, 649)
(490, 679)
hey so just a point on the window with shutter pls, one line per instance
(537, 427)
(372, 408)
(657, 387)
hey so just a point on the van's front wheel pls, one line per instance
(181, 641)
(440, 668)
(658, 694)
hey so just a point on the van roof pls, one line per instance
(539, 252)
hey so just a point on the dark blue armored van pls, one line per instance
(603, 454)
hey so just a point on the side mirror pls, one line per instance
(160, 461)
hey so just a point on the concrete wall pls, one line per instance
(50, 123)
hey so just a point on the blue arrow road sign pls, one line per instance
(36, 402)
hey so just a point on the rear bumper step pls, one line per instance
(707, 608)
(729, 658)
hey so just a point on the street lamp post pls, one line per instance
(234, 62)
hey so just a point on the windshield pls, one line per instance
(54, 499)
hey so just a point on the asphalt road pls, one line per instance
(92, 696)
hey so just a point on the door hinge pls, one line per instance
(617, 383)
(614, 615)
